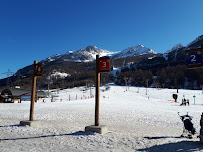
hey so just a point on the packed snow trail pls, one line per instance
(136, 122)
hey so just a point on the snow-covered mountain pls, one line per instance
(151, 59)
(133, 51)
(89, 54)
(85, 55)
(51, 58)
(176, 53)
(175, 48)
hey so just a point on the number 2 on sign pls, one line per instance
(193, 58)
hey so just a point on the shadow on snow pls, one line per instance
(10, 126)
(79, 133)
(181, 146)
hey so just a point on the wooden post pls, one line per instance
(97, 92)
(147, 85)
(102, 65)
(33, 92)
(125, 83)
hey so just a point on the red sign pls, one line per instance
(104, 64)
(39, 69)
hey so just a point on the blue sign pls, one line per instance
(194, 58)
(26, 98)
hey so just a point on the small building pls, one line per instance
(1, 99)
(15, 95)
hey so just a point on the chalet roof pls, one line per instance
(14, 92)
(19, 92)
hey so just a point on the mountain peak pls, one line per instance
(85, 55)
(96, 50)
(91, 48)
(175, 48)
(51, 58)
(140, 45)
(133, 51)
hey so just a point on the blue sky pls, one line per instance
(36, 29)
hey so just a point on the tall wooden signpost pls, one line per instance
(194, 59)
(37, 71)
(97, 92)
(102, 65)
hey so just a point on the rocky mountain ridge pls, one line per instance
(89, 54)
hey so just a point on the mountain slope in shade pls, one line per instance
(175, 54)
(134, 50)
(195, 44)
(175, 48)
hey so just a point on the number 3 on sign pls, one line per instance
(104, 64)
(193, 58)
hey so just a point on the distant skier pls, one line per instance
(183, 102)
(188, 102)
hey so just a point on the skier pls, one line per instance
(183, 102)
(188, 102)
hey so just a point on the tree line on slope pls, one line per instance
(170, 77)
